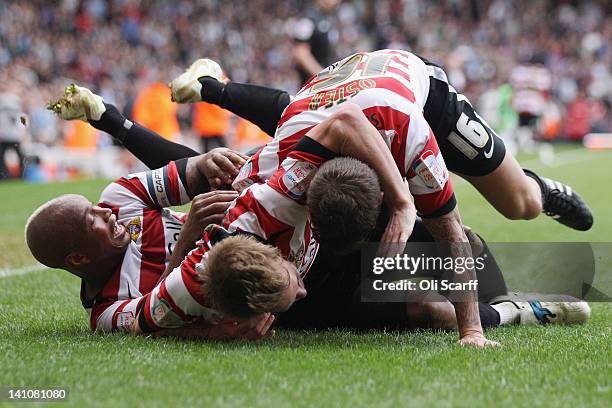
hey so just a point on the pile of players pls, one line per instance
(361, 154)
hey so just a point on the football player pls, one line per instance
(470, 148)
(133, 136)
(391, 88)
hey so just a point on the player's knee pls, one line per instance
(525, 205)
(431, 315)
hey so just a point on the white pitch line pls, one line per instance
(23, 270)
(567, 157)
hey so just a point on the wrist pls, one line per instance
(402, 204)
(471, 331)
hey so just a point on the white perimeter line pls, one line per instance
(567, 157)
(6, 272)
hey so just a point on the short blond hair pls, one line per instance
(240, 277)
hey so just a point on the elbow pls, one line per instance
(348, 113)
(338, 129)
(345, 121)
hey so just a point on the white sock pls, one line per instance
(508, 313)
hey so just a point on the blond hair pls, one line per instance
(241, 277)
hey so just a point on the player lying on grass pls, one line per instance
(281, 207)
(345, 311)
(389, 87)
(470, 148)
(121, 246)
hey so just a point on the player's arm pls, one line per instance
(301, 31)
(177, 302)
(177, 183)
(219, 166)
(207, 208)
(347, 132)
(257, 328)
(448, 230)
(121, 316)
(304, 58)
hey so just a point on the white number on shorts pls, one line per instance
(472, 130)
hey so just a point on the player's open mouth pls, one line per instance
(118, 229)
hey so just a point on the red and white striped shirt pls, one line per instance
(273, 183)
(391, 87)
(138, 201)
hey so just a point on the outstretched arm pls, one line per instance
(448, 230)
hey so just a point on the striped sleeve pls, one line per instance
(159, 188)
(114, 316)
(427, 175)
(263, 211)
(178, 298)
(297, 170)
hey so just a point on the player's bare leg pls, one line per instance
(515, 195)
(522, 194)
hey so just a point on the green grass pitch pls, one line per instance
(45, 341)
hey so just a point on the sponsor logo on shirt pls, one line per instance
(243, 180)
(431, 172)
(125, 320)
(297, 178)
(163, 315)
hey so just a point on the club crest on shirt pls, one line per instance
(134, 227)
(297, 178)
(431, 172)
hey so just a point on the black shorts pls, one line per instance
(334, 291)
(334, 300)
(468, 144)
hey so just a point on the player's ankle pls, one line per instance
(111, 121)
(212, 90)
(508, 313)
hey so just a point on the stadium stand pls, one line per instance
(120, 48)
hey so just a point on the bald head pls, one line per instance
(53, 230)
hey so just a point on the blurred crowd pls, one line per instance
(120, 48)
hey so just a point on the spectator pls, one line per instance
(12, 132)
(113, 46)
(210, 123)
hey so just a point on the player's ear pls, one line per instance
(76, 259)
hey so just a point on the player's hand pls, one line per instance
(399, 228)
(255, 328)
(207, 208)
(477, 340)
(221, 166)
